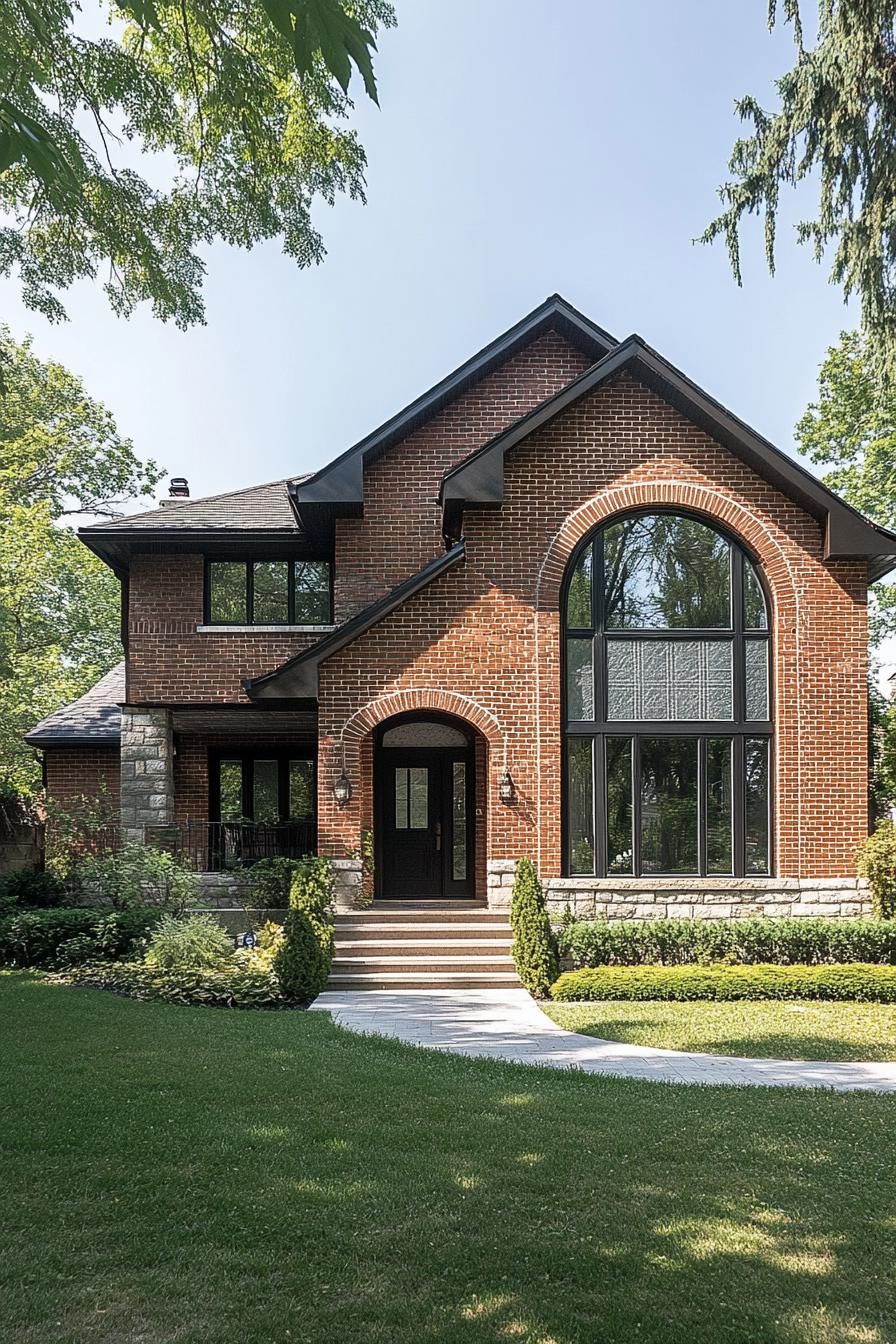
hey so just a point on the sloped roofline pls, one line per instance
(297, 679)
(340, 484)
(478, 481)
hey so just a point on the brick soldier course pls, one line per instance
(471, 503)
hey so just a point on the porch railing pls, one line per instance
(231, 846)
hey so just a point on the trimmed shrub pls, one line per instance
(36, 891)
(188, 943)
(212, 987)
(877, 862)
(37, 937)
(682, 942)
(303, 960)
(534, 945)
(272, 882)
(856, 981)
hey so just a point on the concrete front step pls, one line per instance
(412, 947)
(404, 966)
(424, 980)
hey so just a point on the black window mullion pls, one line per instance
(599, 803)
(636, 806)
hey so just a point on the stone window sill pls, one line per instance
(264, 629)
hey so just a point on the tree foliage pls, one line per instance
(236, 109)
(60, 456)
(837, 123)
(851, 428)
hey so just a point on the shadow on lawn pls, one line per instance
(265, 1177)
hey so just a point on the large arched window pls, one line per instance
(667, 704)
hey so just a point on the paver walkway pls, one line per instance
(508, 1024)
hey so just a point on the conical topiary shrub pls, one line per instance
(534, 945)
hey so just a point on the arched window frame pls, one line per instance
(740, 730)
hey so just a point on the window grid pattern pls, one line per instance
(268, 592)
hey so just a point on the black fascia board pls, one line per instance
(478, 481)
(116, 546)
(298, 678)
(107, 741)
(340, 484)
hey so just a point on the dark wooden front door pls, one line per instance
(425, 822)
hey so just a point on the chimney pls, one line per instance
(179, 488)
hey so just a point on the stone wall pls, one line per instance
(147, 770)
(689, 898)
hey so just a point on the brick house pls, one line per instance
(564, 605)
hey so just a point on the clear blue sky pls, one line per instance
(521, 147)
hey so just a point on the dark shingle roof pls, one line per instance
(257, 508)
(94, 718)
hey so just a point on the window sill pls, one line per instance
(264, 629)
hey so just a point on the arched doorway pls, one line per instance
(424, 773)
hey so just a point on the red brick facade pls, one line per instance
(73, 773)
(482, 642)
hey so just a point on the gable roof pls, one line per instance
(478, 481)
(339, 485)
(298, 678)
(92, 720)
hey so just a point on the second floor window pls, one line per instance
(268, 592)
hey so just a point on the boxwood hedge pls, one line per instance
(854, 981)
(682, 942)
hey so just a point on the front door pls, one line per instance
(425, 818)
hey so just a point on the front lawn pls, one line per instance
(201, 1176)
(770, 1029)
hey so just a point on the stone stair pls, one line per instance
(418, 945)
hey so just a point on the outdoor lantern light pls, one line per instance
(342, 790)
(507, 789)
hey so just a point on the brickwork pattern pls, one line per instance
(73, 773)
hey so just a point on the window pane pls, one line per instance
(580, 793)
(312, 582)
(719, 846)
(757, 800)
(265, 801)
(578, 601)
(619, 805)
(579, 679)
(756, 657)
(270, 601)
(302, 801)
(669, 805)
(459, 821)
(663, 571)
(661, 679)
(755, 614)
(227, 592)
(230, 785)
(418, 796)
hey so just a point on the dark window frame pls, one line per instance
(249, 563)
(246, 756)
(738, 729)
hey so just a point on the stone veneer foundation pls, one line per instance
(689, 898)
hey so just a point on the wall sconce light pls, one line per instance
(342, 790)
(507, 789)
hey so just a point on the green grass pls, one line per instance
(198, 1176)
(776, 1030)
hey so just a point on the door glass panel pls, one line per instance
(668, 804)
(757, 800)
(755, 614)
(579, 679)
(301, 790)
(756, 658)
(662, 571)
(578, 600)
(718, 805)
(459, 821)
(411, 798)
(661, 679)
(580, 790)
(230, 782)
(270, 600)
(619, 805)
(265, 801)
